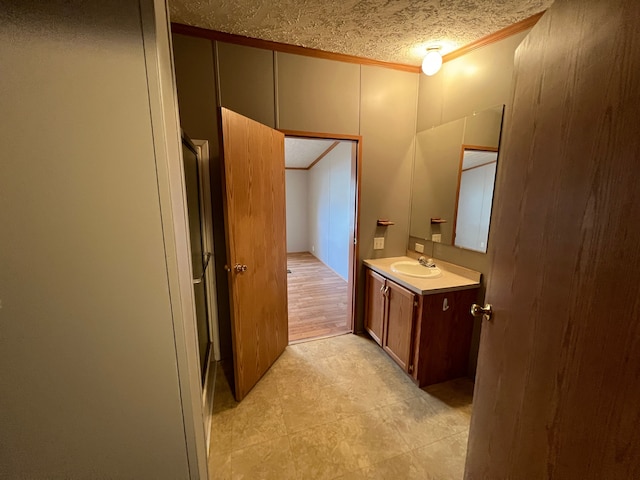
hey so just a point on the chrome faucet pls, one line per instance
(426, 262)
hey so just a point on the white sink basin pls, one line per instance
(414, 269)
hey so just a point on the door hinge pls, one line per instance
(410, 368)
(415, 303)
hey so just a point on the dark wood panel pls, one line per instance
(375, 302)
(558, 390)
(398, 333)
(444, 339)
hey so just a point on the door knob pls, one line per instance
(480, 311)
(240, 268)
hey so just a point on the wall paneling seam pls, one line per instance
(413, 159)
(276, 108)
(216, 68)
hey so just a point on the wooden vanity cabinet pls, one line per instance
(390, 317)
(429, 336)
(443, 336)
(398, 332)
(375, 304)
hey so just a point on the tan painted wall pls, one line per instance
(247, 81)
(197, 101)
(387, 125)
(87, 355)
(327, 96)
(471, 83)
(435, 180)
(387, 108)
(317, 95)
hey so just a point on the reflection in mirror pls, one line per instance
(475, 196)
(440, 175)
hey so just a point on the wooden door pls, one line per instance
(398, 335)
(374, 312)
(254, 206)
(558, 385)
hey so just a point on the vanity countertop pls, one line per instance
(454, 277)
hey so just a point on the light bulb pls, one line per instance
(432, 62)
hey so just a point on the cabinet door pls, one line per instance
(374, 305)
(399, 329)
(445, 336)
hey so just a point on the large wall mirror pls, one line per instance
(453, 179)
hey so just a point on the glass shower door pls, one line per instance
(200, 259)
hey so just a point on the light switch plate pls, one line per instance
(436, 237)
(419, 248)
(378, 243)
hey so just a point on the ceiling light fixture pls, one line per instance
(432, 61)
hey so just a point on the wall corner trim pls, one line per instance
(216, 35)
(506, 32)
(285, 47)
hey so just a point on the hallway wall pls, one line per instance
(330, 209)
(88, 360)
(297, 183)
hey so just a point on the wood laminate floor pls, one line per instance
(317, 299)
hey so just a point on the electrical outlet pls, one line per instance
(436, 237)
(313, 248)
(419, 248)
(378, 243)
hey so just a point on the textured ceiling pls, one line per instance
(388, 30)
(302, 152)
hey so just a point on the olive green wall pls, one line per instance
(90, 383)
(316, 95)
(196, 81)
(468, 84)
(246, 79)
(386, 107)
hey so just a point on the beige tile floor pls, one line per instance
(340, 408)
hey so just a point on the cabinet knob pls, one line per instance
(480, 311)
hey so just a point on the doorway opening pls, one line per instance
(321, 179)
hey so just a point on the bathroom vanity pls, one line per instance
(423, 324)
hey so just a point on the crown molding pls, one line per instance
(216, 35)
